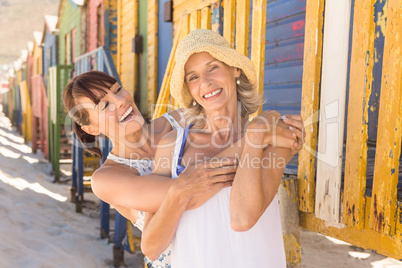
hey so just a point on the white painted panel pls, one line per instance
(332, 110)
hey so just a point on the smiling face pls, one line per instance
(211, 82)
(115, 115)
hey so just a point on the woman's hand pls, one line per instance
(267, 129)
(206, 176)
(270, 128)
(295, 124)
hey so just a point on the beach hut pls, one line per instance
(352, 189)
(4, 88)
(25, 94)
(132, 48)
(17, 109)
(40, 101)
(39, 98)
(49, 45)
(344, 77)
(70, 44)
(8, 98)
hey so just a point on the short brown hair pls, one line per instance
(86, 85)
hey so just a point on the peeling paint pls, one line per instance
(382, 19)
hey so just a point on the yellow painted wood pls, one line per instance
(119, 25)
(26, 111)
(384, 194)
(182, 8)
(310, 102)
(364, 238)
(127, 29)
(130, 236)
(206, 18)
(164, 94)
(229, 17)
(258, 42)
(361, 68)
(152, 55)
(242, 25)
(195, 20)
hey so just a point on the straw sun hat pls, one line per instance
(202, 40)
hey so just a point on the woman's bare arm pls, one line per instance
(259, 174)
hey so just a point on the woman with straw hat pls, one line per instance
(100, 106)
(237, 226)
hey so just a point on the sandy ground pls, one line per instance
(39, 226)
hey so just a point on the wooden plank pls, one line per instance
(258, 42)
(332, 114)
(206, 18)
(386, 169)
(195, 20)
(119, 22)
(163, 98)
(361, 68)
(152, 55)
(217, 17)
(242, 25)
(281, 9)
(229, 17)
(364, 238)
(310, 102)
(186, 7)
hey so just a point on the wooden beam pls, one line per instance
(361, 77)
(332, 110)
(152, 54)
(384, 194)
(258, 42)
(206, 18)
(162, 104)
(229, 17)
(310, 102)
(195, 20)
(242, 25)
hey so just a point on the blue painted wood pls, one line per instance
(290, 27)
(280, 9)
(17, 109)
(284, 51)
(374, 101)
(120, 230)
(217, 17)
(106, 147)
(165, 42)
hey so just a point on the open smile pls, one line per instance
(127, 115)
(213, 93)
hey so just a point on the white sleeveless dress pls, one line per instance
(204, 238)
(144, 167)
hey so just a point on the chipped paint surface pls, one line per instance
(293, 250)
(310, 102)
(383, 205)
(357, 134)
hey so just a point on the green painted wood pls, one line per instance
(142, 60)
(70, 19)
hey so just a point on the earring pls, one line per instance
(194, 103)
(238, 81)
